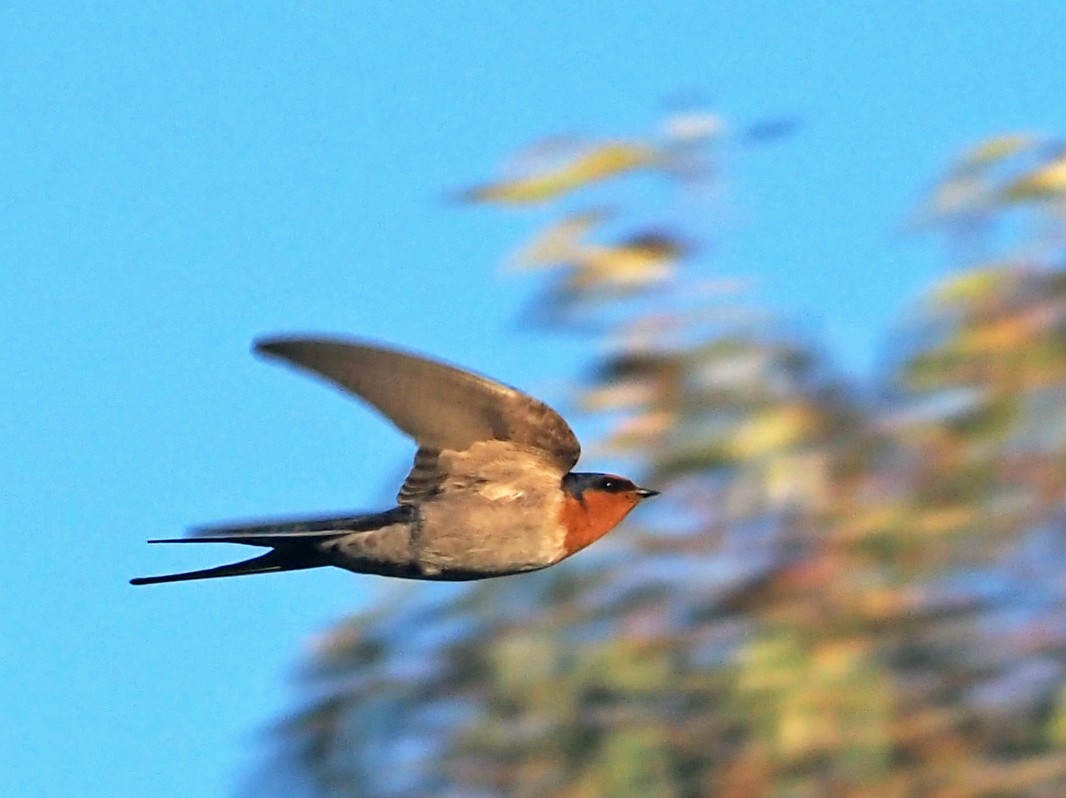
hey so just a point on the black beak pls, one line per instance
(646, 493)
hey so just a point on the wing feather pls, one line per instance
(440, 406)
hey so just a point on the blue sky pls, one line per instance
(181, 178)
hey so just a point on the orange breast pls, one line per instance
(588, 521)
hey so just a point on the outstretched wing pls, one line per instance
(440, 406)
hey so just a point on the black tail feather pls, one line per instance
(279, 540)
(272, 561)
(297, 528)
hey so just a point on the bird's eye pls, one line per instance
(613, 484)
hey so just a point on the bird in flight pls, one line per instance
(491, 492)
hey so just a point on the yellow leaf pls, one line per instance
(998, 147)
(640, 261)
(559, 242)
(771, 431)
(1003, 336)
(589, 166)
(974, 285)
(942, 520)
(1046, 182)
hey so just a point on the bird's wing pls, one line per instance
(440, 406)
(424, 478)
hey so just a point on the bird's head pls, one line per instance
(594, 504)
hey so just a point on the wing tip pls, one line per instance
(289, 346)
(271, 346)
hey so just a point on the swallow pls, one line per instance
(491, 492)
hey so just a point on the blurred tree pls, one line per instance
(834, 597)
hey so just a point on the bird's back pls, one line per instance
(498, 511)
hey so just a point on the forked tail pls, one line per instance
(295, 545)
(276, 560)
